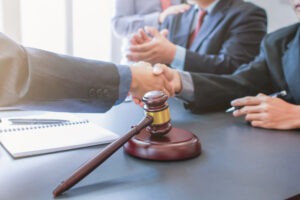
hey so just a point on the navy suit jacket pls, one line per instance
(276, 68)
(230, 36)
(36, 79)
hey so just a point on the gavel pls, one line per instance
(152, 138)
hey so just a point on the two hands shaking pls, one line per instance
(152, 46)
(260, 111)
(146, 77)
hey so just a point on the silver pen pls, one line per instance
(33, 121)
(276, 94)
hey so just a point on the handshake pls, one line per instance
(146, 77)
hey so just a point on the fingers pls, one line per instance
(178, 9)
(141, 48)
(152, 31)
(136, 39)
(138, 56)
(140, 37)
(247, 101)
(143, 80)
(144, 36)
(255, 117)
(250, 109)
(185, 7)
(138, 101)
(164, 33)
(168, 89)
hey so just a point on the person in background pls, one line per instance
(214, 36)
(131, 15)
(277, 68)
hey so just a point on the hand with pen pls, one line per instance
(264, 111)
(268, 112)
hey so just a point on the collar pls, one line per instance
(210, 8)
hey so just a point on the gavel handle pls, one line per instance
(90, 165)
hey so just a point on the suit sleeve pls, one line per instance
(240, 44)
(214, 92)
(36, 79)
(127, 21)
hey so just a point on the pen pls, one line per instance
(24, 121)
(276, 94)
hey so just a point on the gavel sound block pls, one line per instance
(153, 138)
(159, 140)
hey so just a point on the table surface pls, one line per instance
(237, 162)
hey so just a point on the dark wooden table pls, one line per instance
(238, 162)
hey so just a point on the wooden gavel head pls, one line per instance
(159, 140)
(155, 105)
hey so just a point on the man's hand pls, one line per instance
(143, 81)
(268, 112)
(171, 75)
(181, 8)
(141, 37)
(154, 49)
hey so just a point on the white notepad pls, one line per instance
(29, 140)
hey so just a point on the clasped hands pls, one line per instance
(151, 46)
(146, 77)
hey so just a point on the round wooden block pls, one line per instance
(178, 144)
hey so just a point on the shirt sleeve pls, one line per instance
(179, 59)
(125, 81)
(187, 92)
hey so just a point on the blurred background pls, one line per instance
(83, 27)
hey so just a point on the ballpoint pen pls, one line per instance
(276, 94)
(33, 121)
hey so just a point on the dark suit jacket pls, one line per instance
(44, 80)
(276, 68)
(230, 36)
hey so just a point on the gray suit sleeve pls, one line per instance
(36, 79)
(127, 19)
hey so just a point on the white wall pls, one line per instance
(279, 12)
(10, 14)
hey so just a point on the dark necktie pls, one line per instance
(165, 4)
(193, 35)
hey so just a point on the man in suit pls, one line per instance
(36, 79)
(230, 34)
(130, 15)
(276, 68)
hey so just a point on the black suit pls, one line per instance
(276, 68)
(229, 37)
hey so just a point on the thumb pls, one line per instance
(164, 32)
(152, 31)
(157, 69)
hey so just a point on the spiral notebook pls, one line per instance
(39, 138)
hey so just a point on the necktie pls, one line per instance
(193, 35)
(165, 4)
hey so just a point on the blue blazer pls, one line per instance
(276, 68)
(230, 36)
